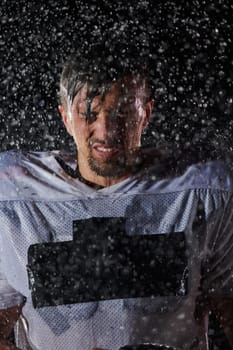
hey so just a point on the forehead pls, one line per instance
(127, 89)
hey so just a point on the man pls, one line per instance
(114, 247)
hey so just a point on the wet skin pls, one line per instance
(109, 136)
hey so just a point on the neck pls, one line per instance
(92, 178)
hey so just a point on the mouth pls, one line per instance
(105, 151)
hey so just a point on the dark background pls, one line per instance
(190, 42)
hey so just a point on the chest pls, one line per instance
(119, 238)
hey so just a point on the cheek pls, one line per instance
(81, 131)
(133, 131)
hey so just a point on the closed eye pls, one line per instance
(90, 116)
(122, 113)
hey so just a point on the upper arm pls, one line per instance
(217, 281)
(223, 309)
(8, 318)
(217, 260)
(11, 303)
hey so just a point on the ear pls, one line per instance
(148, 112)
(65, 119)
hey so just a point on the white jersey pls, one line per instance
(114, 266)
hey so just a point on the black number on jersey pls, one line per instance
(102, 262)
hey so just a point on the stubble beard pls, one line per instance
(113, 167)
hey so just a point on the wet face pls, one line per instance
(107, 128)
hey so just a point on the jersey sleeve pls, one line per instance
(9, 297)
(218, 253)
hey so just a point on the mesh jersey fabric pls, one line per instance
(39, 203)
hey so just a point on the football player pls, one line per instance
(113, 246)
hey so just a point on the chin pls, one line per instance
(109, 168)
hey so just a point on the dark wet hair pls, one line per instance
(100, 65)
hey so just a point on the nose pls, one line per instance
(105, 125)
